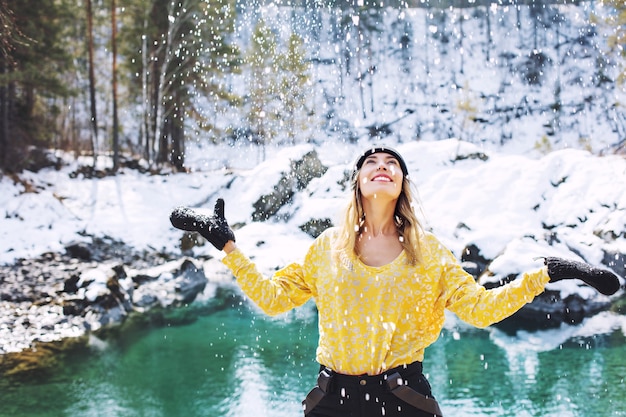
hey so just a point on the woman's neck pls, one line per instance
(379, 219)
(378, 243)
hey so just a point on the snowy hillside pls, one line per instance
(514, 208)
(517, 79)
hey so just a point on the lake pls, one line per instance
(238, 363)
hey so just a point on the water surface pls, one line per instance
(237, 363)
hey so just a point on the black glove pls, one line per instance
(602, 280)
(214, 228)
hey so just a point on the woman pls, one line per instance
(381, 284)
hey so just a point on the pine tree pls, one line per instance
(33, 65)
(262, 106)
(7, 39)
(178, 52)
(292, 89)
(617, 40)
(365, 22)
(115, 134)
(92, 81)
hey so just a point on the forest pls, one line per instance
(143, 77)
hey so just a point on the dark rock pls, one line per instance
(192, 281)
(79, 250)
(300, 175)
(315, 227)
(39, 158)
(471, 258)
(71, 284)
(171, 285)
(74, 306)
(474, 155)
(616, 261)
(142, 277)
(40, 360)
(144, 300)
(549, 310)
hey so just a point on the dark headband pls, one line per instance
(384, 149)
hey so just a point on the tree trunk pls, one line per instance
(4, 119)
(164, 133)
(359, 61)
(177, 132)
(116, 140)
(461, 37)
(145, 93)
(92, 85)
(160, 112)
(5, 56)
(488, 33)
(155, 55)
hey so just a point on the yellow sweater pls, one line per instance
(375, 318)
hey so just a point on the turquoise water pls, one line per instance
(237, 363)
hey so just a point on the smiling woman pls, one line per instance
(395, 211)
(379, 182)
(381, 284)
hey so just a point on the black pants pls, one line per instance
(369, 396)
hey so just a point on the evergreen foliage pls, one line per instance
(176, 54)
(617, 41)
(263, 82)
(294, 69)
(31, 76)
(188, 72)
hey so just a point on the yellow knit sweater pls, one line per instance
(375, 318)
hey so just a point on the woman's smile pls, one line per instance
(382, 178)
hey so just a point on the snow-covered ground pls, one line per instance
(569, 203)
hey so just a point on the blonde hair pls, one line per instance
(407, 223)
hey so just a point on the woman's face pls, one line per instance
(380, 177)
